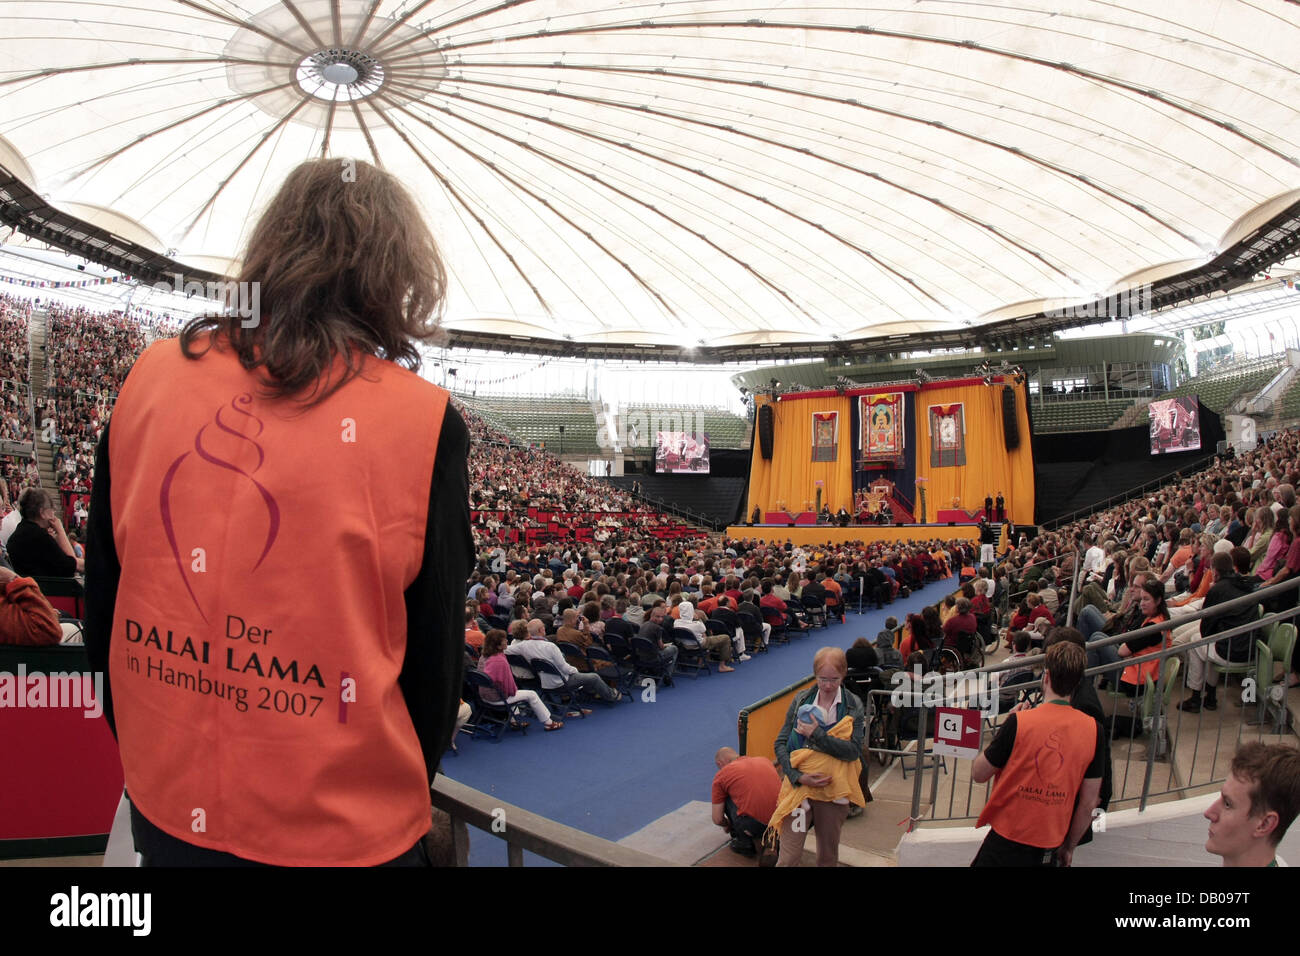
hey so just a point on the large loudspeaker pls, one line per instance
(1010, 426)
(766, 424)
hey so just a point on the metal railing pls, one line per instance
(522, 830)
(1142, 732)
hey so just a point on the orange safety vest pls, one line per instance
(1033, 798)
(260, 624)
(1137, 674)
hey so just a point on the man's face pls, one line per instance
(1232, 828)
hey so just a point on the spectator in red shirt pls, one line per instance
(773, 607)
(1038, 610)
(962, 622)
(745, 791)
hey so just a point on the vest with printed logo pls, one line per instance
(260, 623)
(1033, 797)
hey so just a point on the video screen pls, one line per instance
(681, 453)
(1175, 425)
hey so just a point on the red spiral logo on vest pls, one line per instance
(237, 406)
(1049, 760)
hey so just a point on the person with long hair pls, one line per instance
(1278, 546)
(493, 663)
(1154, 611)
(1261, 532)
(279, 541)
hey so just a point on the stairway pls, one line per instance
(38, 373)
(1135, 414)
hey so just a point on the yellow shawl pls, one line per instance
(843, 773)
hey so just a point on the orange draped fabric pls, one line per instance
(791, 476)
(989, 467)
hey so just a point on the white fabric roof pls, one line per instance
(689, 170)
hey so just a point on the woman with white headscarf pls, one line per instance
(711, 642)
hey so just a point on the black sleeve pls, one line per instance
(1137, 645)
(999, 749)
(39, 554)
(102, 574)
(435, 607)
(1098, 766)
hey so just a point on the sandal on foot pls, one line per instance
(553, 725)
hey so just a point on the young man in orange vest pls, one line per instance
(1043, 758)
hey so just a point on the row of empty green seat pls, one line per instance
(533, 419)
(1077, 416)
(1219, 391)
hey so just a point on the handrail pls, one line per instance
(1126, 495)
(1246, 600)
(958, 684)
(674, 508)
(523, 830)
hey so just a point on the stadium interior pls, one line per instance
(688, 269)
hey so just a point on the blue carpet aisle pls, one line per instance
(624, 767)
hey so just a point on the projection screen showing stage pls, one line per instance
(681, 453)
(1175, 425)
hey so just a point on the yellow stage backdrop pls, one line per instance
(989, 467)
(791, 476)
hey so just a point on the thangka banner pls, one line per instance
(881, 418)
(947, 435)
(826, 433)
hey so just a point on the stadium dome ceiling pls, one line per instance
(693, 171)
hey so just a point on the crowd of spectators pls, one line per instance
(510, 478)
(88, 354)
(15, 413)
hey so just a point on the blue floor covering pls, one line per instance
(626, 766)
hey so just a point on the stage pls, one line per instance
(870, 533)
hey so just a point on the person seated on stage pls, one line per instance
(886, 512)
(744, 797)
(824, 516)
(843, 517)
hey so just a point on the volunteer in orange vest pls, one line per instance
(278, 546)
(1043, 759)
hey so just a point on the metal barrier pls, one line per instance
(1142, 732)
(522, 830)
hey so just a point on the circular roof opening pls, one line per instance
(339, 75)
